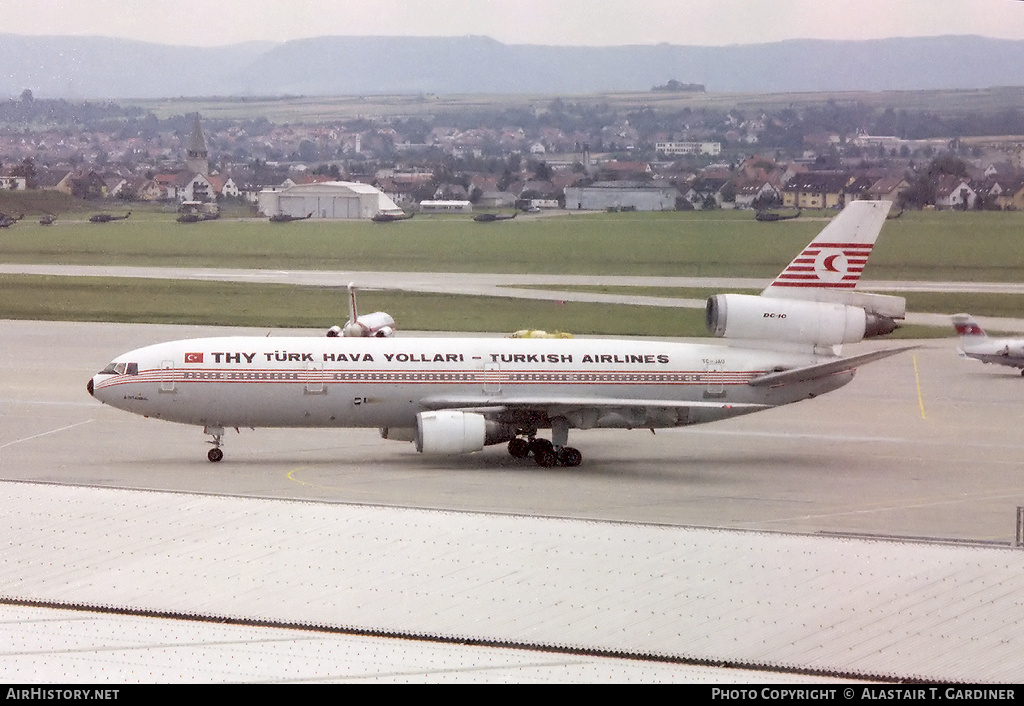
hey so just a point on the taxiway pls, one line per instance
(921, 445)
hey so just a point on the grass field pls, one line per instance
(332, 109)
(284, 306)
(918, 246)
(986, 246)
(998, 305)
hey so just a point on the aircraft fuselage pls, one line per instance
(998, 351)
(386, 382)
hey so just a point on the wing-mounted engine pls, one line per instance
(818, 323)
(453, 432)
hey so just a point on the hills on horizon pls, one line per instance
(109, 68)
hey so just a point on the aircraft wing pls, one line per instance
(819, 370)
(556, 404)
(501, 402)
(588, 412)
(996, 358)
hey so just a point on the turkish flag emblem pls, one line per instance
(193, 357)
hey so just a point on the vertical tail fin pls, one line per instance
(352, 314)
(836, 257)
(967, 327)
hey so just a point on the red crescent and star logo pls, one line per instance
(830, 265)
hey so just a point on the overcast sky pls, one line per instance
(565, 22)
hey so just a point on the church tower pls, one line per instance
(197, 159)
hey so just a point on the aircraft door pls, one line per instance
(167, 376)
(492, 378)
(713, 387)
(315, 378)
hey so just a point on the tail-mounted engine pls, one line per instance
(375, 325)
(817, 323)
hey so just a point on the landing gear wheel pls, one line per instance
(519, 448)
(545, 457)
(217, 432)
(538, 446)
(570, 457)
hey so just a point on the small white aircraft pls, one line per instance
(375, 325)
(975, 343)
(457, 395)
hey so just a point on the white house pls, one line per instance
(458, 206)
(955, 192)
(675, 148)
(12, 183)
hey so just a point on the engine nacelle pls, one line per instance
(375, 325)
(792, 320)
(450, 432)
(1011, 350)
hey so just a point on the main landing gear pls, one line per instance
(548, 453)
(544, 452)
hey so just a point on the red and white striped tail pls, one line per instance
(965, 325)
(836, 258)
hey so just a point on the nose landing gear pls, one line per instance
(215, 454)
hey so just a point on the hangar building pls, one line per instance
(602, 195)
(330, 199)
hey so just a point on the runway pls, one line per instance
(522, 286)
(920, 445)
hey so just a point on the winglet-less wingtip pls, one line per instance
(819, 370)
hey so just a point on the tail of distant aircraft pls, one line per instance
(353, 313)
(379, 324)
(813, 300)
(975, 343)
(967, 327)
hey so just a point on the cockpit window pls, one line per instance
(121, 369)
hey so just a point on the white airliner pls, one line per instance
(376, 325)
(457, 395)
(975, 343)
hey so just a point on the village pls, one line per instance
(558, 156)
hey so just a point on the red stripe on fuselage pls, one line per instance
(405, 376)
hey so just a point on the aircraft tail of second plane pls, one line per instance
(967, 327)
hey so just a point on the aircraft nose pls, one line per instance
(89, 386)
